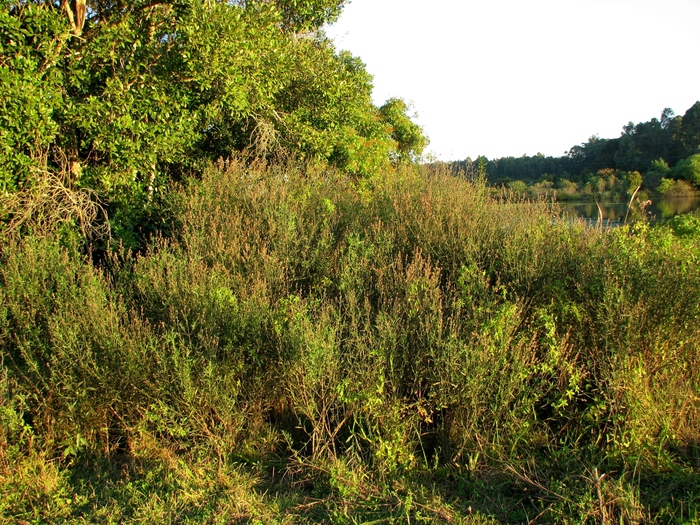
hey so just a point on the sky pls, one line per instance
(511, 77)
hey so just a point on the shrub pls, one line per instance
(364, 338)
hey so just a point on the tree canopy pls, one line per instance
(122, 97)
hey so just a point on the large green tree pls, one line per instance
(121, 97)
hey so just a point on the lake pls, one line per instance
(659, 210)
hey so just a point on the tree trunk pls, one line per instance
(76, 14)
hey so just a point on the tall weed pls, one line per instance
(362, 337)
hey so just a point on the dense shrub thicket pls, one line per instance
(308, 349)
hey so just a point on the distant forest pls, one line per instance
(662, 154)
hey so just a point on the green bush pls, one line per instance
(689, 169)
(685, 225)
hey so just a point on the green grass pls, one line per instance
(307, 349)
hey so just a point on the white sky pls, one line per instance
(513, 77)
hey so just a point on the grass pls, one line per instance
(307, 349)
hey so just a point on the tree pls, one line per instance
(138, 93)
(31, 91)
(593, 155)
(627, 155)
(633, 180)
(667, 116)
(657, 170)
(689, 132)
(408, 136)
(308, 15)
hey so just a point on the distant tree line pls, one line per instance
(662, 154)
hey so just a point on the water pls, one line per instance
(660, 209)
